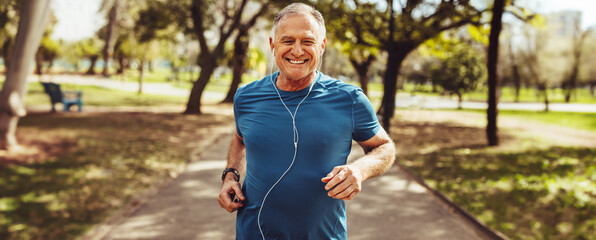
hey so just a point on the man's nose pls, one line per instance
(297, 49)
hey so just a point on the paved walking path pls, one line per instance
(392, 206)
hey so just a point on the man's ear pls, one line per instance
(323, 45)
(272, 46)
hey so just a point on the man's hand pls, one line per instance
(228, 189)
(343, 182)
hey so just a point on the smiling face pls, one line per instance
(297, 46)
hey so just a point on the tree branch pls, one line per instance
(225, 35)
(197, 17)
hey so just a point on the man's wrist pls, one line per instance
(226, 174)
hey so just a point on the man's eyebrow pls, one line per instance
(282, 38)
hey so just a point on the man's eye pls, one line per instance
(287, 42)
(309, 43)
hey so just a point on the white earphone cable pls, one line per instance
(295, 140)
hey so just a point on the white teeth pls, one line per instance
(296, 61)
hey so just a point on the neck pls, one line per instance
(289, 85)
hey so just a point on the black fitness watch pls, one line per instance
(233, 170)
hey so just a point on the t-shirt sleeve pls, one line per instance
(236, 112)
(366, 124)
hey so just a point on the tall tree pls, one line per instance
(89, 48)
(33, 18)
(355, 29)
(240, 50)
(493, 54)
(416, 22)
(231, 15)
(577, 48)
(111, 34)
(460, 67)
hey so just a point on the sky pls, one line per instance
(79, 19)
(587, 7)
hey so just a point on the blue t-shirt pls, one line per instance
(298, 207)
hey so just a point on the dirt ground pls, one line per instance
(36, 145)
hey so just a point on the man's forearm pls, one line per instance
(376, 161)
(236, 156)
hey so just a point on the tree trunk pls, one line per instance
(194, 101)
(362, 69)
(6, 50)
(91, 70)
(515, 72)
(141, 71)
(544, 90)
(121, 63)
(108, 48)
(34, 16)
(459, 100)
(571, 82)
(396, 55)
(516, 82)
(38, 64)
(239, 61)
(493, 54)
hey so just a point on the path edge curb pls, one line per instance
(454, 209)
(102, 229)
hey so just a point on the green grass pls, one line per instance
(526, 188)
(533, 194)
(98, 96)
(582, 95)
(113, 158)
(581, 121)
(531, 95)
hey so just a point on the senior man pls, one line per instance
(294, 130)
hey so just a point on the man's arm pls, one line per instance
(345, 182)
(237, 160)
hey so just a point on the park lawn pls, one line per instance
(531, 95)
(576, 120)
(80, 167)
(527, 188)
(98, 96)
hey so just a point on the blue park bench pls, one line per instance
(67, 98)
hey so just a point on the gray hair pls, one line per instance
(300, 9)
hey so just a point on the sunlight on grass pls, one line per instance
(577, 120)
(533, 194)
(98, 96)
(118, 156)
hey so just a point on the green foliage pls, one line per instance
(459, 69)
(48, 49)
(161, 20)
(479, 33)
(88, 47)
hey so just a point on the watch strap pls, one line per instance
(232, 170)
